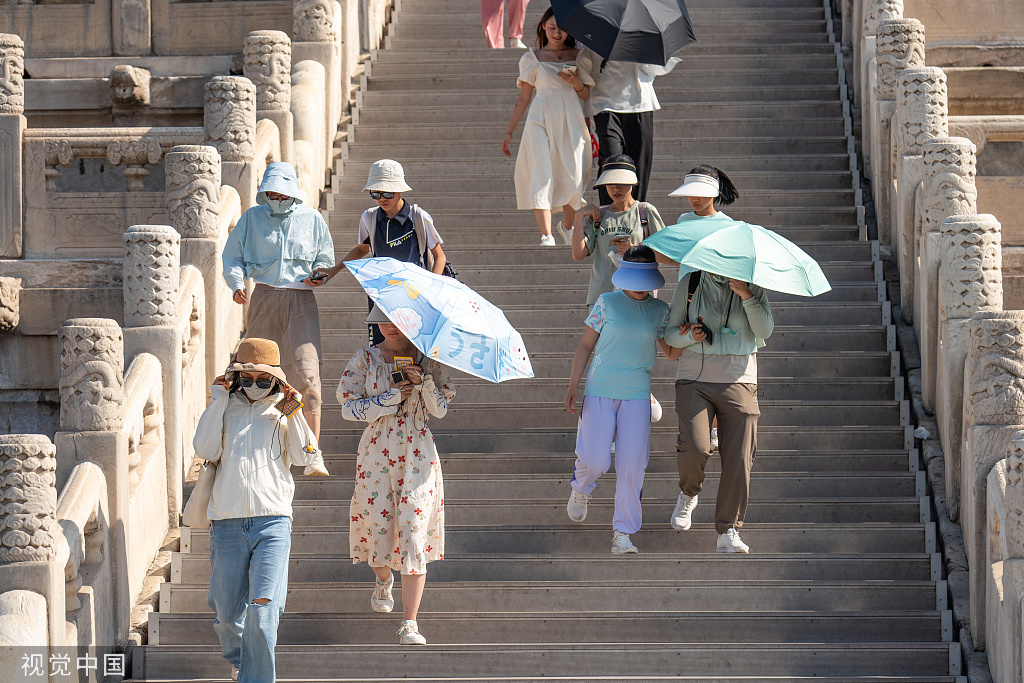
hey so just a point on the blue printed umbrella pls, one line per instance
(445, 319)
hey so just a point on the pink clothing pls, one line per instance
(491, 14)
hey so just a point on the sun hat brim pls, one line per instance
(696, 185)
(638, 277)
(387, 186)
(376, 316)
(617, 176)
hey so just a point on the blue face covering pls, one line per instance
(280, 205)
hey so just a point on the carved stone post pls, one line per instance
(268, 64)
(970, 282)
(29, 532)
(947, 190)
(993, 413)
(874, 11)
(315, 36)
(229, 120)
(195, 204)
(899, 45)
(151, 277)
(921, 115)
(10, 303)
(91, 401)
(12, 130)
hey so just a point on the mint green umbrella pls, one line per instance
(744, 252)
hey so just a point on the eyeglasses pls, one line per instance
(374, 195)
(246, 382)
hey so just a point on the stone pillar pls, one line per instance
(921, 115)
(873, 11)
(12, 130)
(194, 205)
(91, 401)
(229, 121)
(130, 27)
(151, 274)
(970, 282)
(947, 190)
(899, 45)
(29, 532)
(1004, 609)
(993, 414)
(316, 36)
(268, 64)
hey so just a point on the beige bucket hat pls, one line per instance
(258, 355)
(386, 175)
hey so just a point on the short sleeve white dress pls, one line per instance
(553, 164)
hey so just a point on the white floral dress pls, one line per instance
(397, 509)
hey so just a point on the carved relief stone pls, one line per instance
(995, 369)
(151, 262)
(230, 117)
(129, 87)
(134, 154)
(268, 64)
(313, 21)
(899, 46)
(57, 152)
(192, 173)
(10, 293)
(91, 375)
(973, 280)
(877, 11)
(921, 105)
(28, 498)
(12, 72)
(1013, 500)
(948, 188)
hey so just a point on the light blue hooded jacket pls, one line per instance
(277, 247)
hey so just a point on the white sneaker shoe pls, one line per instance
(730, 542)
(234, 672)
(714, 438)
(577, 506)
(681, 515)
(621, 545)
(518, 42)
(655, 409)
(410, 635)
(547, 240)
(566, 235)
(317, 468)
(382, 600)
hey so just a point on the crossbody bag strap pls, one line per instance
(372, 228)
(643, 218)
(421, 236)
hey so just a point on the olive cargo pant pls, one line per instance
(735, 405)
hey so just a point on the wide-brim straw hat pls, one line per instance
(376, 316)
(696, 185)
(638, 277)
(386, 175)
(258, 355)
(617, 173)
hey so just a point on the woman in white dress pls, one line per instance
(397, 510)
(553, 165)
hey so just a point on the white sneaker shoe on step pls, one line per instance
(714, 438)
(234, 672)
(730, 542)
(655, 409)
(565, 235)
(577, 506)
(547, 240)
(518, 42)
(382, 600)
(621, 545)
(680, 519)
(409, 634)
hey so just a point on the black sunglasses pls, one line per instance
(374, 195)
(245, 382)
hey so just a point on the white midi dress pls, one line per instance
(396, 516)
(553, 164)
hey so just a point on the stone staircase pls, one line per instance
(843, 583)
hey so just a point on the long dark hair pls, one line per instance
(542, 37)
(727, 192)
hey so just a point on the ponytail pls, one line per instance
(727, 192)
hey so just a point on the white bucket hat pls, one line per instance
(696, 185)
(386, 175)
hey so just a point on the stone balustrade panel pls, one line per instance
(218, 27)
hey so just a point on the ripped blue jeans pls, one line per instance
(248, 586)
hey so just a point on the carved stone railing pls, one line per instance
(194, 380)
(268, 64)
(12, 129)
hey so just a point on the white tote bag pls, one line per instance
(195, 513)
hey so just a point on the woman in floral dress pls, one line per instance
(397, 510)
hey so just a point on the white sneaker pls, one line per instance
(518, 42)
(547, 240)
(612, 449)
(317, 468)
(714, 438)
(577, 506)
(410, 635)
(730, 542)
(655, 409)
(234, 672)
(566, 235)
(681, 515)
(381, 600)
(621, 545)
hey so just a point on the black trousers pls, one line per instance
(631, 134)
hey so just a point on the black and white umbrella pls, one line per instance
(643, 31)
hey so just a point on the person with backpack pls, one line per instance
(718, 323)
(395, 228)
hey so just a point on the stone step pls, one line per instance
(495, 626)
(713, 46)
(633, 679)
(194, 568)
(343, 439)
(426, 42)
(706, 17)
(695, 6)
(583, 659)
